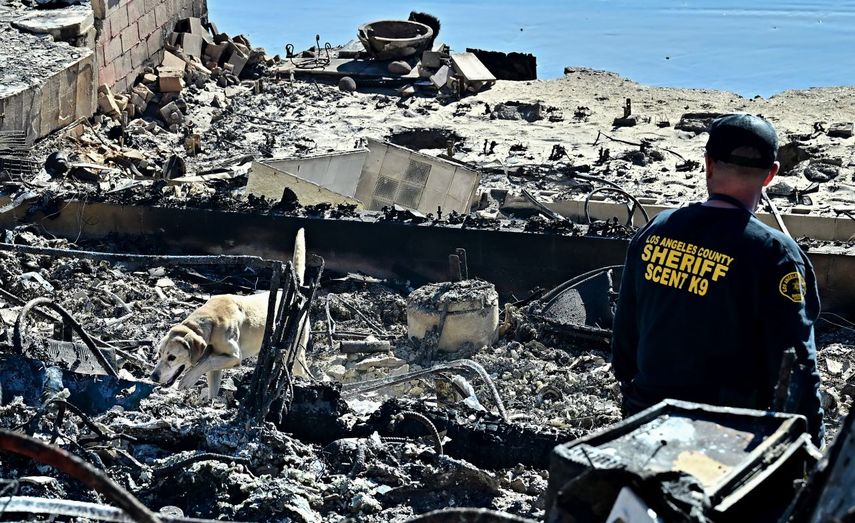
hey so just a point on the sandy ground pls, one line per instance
(575, 110)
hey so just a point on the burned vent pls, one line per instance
(407, 191)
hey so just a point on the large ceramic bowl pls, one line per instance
(394, 39)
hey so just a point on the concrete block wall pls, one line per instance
(54, 102)
(132, 33)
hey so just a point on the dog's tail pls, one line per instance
(299, 258)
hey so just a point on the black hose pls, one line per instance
(550, 296)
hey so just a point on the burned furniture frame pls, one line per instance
(757, 488)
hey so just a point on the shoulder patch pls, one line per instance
(792, 286)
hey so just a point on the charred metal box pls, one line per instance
(747, 461)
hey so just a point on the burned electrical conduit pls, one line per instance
(21, 328)
(421, 418)
(350, 390)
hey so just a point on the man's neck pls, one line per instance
(748, 201)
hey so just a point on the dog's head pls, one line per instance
(179, 349)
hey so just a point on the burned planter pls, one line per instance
(745, 462)
(394, 39)
(458, 314)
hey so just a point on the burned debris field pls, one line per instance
(441, 238)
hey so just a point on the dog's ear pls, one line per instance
(197, 346)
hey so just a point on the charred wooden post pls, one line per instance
(287, 319)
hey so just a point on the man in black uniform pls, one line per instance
(711, 297)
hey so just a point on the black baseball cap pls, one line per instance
(743, 130)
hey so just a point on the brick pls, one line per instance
(135, 10)
(146, 24)
(118, 21)
(130, 37)
(112, 50)
(107, 75)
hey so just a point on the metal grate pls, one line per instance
(14, 152)
(409, 196)
(386, 188)
(417, 173)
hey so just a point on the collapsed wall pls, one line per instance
(53, 60)
(132, 33)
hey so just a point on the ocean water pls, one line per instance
(753, 48)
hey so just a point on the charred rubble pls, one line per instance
(428, 398)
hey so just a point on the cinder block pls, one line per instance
(112, 50)
(68, 79)
(192, 44)
(146, 24)
(107, 75)
(135, 10)
(87, 99)
(139, 55)
(99, 9)
(150, 5)
(154, 43)
(130, 37)
(50, 104)
(123, 65)
(118, 21)
(100, 51)
(121, 85)
(161, 14)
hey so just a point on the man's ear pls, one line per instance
(197, 346)
(709, 166)
(772, 173)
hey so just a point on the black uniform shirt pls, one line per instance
(710, 299)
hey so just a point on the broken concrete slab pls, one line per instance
(107, 102)
(66, 24)
(461, 314)
(841, 130)
(237, 59)
(476, 77)
(441, 77)
(172, 61)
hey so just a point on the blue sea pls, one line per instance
(752, 48)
